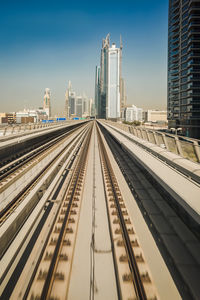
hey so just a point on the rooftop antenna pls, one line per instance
(69, 85)
(121, 45)
(108, 39)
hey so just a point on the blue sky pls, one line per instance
(46, 43)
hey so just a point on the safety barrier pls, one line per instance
(183, 146)
(18, 128)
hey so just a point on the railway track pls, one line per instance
(68, 175)
(123, 236)
(167, 223)
(17, 152)
(26, 164)
(14, 165)
(53, 273)
(46, 258)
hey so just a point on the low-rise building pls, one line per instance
(31, 116)
(133, 113)
(155, 116)
(8, 118)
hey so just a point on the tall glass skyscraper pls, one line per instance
(108, 80)
(97, 92)
(113, 87)
(184, 66)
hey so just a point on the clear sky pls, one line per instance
(48, 42)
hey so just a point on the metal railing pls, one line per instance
(183, 146)
(20, 128)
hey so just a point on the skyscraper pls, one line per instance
(122, 94)
(107, 102)
(184, 66)
(103, 77)
(79, 106)
(46, 102)
(97, 91)
(67, 95)
(85, 105)
(70, 101)
(113, 95)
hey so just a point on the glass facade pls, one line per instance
(107, 82)
(72, 104)
(103, 78)
(113, 95)
(184, 66)
(97, 91)
(79, 107)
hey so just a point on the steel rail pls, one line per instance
(16, 164)
(38, 142)
(137, 281)
(17, 271)
(167, 249)
(5, 212)
(77, 172)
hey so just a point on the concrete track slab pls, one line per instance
(161, 277)
(93, 271)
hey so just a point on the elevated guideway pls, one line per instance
(14, 146)
(177, 175)
(169, 202)
(91, 213)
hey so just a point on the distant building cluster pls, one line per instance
(77, 106)
(29, 115)
(133, 113)
(110, 96)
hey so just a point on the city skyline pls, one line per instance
(47, 45)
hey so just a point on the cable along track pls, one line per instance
(132, 274)
(53, 274)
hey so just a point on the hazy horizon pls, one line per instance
(47, 43)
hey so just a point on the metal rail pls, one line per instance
(77, 175)
(17, 163)
(63, 182)
(137, 281)
(168, 210)
(5, 212)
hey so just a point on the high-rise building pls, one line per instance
(46, 102)
(79, 106)
(70, 102)
(122, 94)
(76, 106)
(97, 91)
(108, 81)
(113, 95)
(85, 106)
(67, 95)
(103, 78)
(92, 109)
(184, 66)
